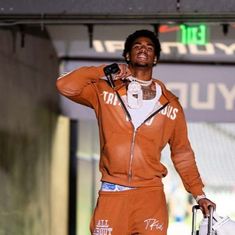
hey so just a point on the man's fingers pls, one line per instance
(206, 211)
(205, 205)
(123, 73)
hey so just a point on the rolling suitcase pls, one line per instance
(206, 229)
(214, 225)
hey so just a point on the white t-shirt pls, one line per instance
(140, 114)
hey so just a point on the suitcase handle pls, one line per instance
(210, 220)
(194, 211)
(211, 209)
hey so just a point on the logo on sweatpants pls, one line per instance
(102, 228)
(153, 224)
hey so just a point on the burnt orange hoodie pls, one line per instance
(130, 156)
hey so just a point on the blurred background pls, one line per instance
(49, 146)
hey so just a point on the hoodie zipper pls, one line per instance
(133, 140)
(135, 130)
(132, 154)
(154, 113)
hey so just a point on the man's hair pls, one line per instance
(141, 33)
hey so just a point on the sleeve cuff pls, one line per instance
(199, 197)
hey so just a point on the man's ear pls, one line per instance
(127, 57)
(155, 60)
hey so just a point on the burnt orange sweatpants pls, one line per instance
(141, 211)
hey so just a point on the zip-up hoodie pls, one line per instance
(130, 156)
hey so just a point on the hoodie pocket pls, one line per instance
(116, 153)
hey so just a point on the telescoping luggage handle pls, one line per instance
(194, 230)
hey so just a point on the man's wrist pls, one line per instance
(199, 197)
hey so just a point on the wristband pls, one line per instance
(203, 196)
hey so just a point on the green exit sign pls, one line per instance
(193, 34)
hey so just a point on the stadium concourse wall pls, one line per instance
(33, 137)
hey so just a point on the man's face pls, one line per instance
(142, 53)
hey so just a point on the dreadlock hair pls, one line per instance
(141, 33)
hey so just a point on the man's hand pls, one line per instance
(123, 73)
(204, 204)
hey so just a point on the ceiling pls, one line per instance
(112, 11)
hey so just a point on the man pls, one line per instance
(137, 117)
